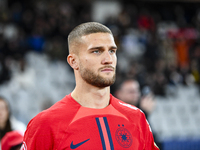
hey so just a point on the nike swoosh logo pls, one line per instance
(74, 146)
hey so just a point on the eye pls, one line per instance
(112, 51)
(96, 51)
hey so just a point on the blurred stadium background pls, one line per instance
(159, 45)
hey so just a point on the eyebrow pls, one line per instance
(101, 47)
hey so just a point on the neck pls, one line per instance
(92, 97)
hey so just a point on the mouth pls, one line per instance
(107, 69)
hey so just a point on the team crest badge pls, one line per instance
(123, 137)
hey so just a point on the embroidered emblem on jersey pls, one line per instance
(123, 137)
(104, 132)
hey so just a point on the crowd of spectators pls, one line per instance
(40, 26)
(158, 44)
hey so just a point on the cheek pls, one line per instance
(89, 62)
(115, 60)
(4, 115)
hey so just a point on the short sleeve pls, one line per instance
(38, 135)
(149, 140)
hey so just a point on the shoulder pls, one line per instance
(132, 112)
(122, 105)
(63, 110)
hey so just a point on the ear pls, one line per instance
(72, 60)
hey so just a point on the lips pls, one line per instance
(107, 69)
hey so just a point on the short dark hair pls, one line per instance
(85, 29)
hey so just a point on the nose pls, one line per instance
(107, 58)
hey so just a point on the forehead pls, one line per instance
(2, 103)
(130, 85)
(98, 39)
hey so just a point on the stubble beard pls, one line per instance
(94, 79)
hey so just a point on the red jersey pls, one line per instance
(68, 125)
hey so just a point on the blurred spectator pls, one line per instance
(129, 92)
(131, 45)
(56, 48)
(182, 50)
(152, 53)
(145, 20)
(5, 72)
(195, 62)
(159, 84)
(5, 124)
(12, 141)
(36, 41)
(8, 122)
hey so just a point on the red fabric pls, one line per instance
(68, 124)
(11, 139)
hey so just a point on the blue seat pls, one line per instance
(182, 144)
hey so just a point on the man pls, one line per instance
(129, 92)
(90, 118)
